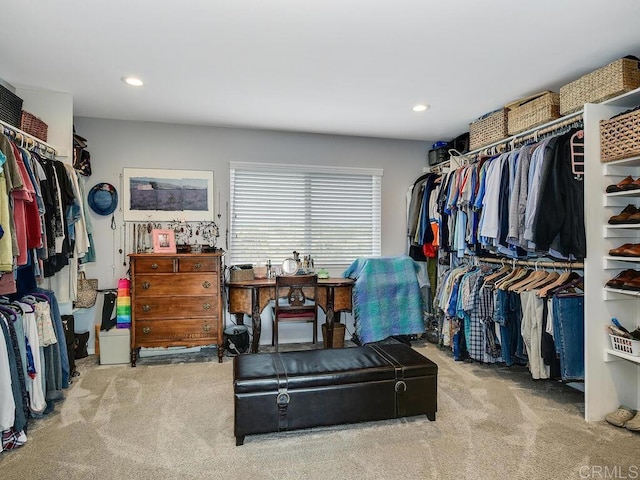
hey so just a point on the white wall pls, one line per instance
(56, 110)
(117, 144)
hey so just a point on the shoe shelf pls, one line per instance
(620, 231)
(625, 162)
(619, 294)
(610, 261)
(625, 193)
(611, 355)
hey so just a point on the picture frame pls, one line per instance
(157, 195)
(164, 241)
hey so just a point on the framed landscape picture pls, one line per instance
(165, 195)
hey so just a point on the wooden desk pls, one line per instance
(251, 297)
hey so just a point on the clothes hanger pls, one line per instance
(498, 273)
(548, 279)
(577, 153)
(536, 277)
(520, 274)
(564, 277)
(514, 272)
(570, 287)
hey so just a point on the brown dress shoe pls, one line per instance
(633, 251)
(617, 252)
(618, 187)
(633, 185)
(624, 215)
(622, 277)
(634, 218)
(633, 284)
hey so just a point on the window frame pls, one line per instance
(367, 189)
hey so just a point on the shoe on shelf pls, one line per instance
(634, 423)
(634, 218)
(622, 278)
(632, 251)
(621, 185)
(621, 416)
(616, 252)
(625, 215)
(633, 284)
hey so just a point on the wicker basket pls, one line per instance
(532, 111)
(618, 77)
(620, 137)
(241, 274)
(10, 107)
(488, 129)
(33, 126)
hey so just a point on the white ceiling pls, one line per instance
(353, 67)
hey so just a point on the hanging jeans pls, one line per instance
(508, 314)
(568, 333)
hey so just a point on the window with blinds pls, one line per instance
(330, 213)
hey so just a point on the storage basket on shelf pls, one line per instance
(532, 111)
(625, 345)
(33, 126)
(10, 107)
(620, 137)
(489, 128)
(618, 77)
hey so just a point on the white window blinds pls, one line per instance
(330, 213)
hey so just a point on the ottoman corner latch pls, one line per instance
(401, 387)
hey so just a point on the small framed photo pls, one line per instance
(164, 241)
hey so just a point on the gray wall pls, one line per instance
(117, 144)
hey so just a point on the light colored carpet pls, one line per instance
(168, 420)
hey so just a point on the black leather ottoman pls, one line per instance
(285, 391)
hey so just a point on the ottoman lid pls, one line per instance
(318, 368)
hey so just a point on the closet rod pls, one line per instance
(532, 132)
(16, 132)
(532, 263)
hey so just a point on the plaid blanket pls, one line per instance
(386, 297)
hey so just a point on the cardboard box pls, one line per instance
(115, 346)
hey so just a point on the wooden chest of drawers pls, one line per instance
(176, 301)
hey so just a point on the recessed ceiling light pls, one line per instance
(421, 107)
(133, 81)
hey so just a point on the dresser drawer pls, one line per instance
(197, 264)
(149, 308)
(175, 332)
(184, 284)
(154, 265)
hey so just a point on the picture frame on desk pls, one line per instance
(167, 195)
(164, 241)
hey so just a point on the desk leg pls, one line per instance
(330, 315)
(256, 323)
(239, 318)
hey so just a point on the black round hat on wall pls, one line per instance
(103, 198)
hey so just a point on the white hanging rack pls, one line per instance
(29, 141)
(509, 143)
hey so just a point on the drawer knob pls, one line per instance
(206, 284)
(146, 308)
(146, 285)
(206, 306)
(206, 327)
(146, 330)
(197, 266)
(154, 266)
